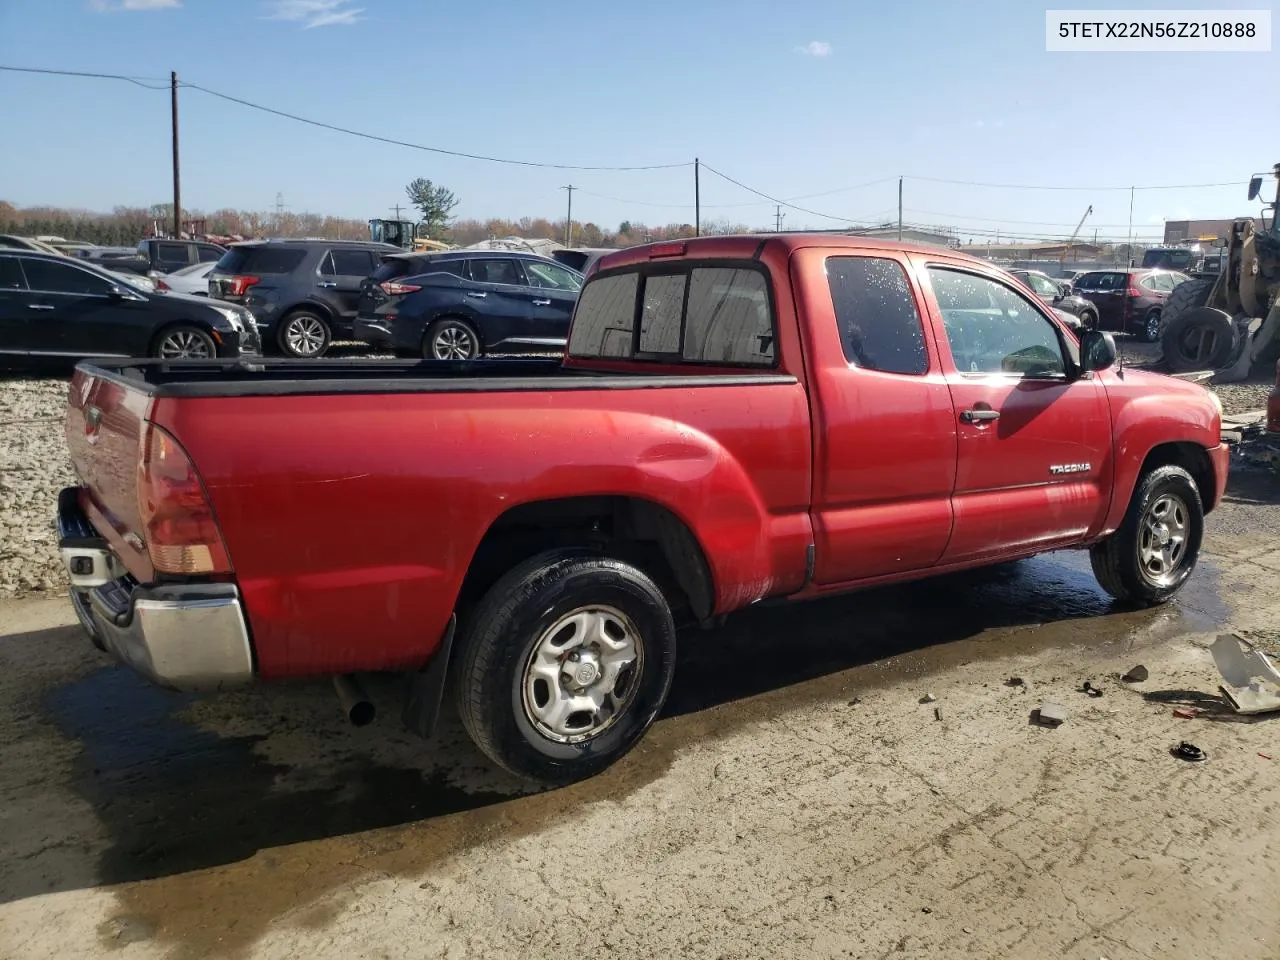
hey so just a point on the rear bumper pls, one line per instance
(182, 636)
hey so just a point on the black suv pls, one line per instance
(55, 310)
(304, 293)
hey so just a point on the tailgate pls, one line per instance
(105, 423)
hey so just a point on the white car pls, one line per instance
(192, 280)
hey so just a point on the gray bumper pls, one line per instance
(183, 636)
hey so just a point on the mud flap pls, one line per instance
(426, 688)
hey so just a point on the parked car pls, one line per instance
(192, 280)
(10, 242)
(304, 293)
(581, 259)
(165, 256)
(736, 419)
(1058, 294)
(1129, 300)
(462, 304)
(56, 309)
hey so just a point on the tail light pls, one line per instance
(393, 289)
(181, 533)
(239, 286)
(161, 285)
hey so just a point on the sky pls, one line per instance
(826, 100)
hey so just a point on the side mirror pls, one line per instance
(1097, 350)
(1255, 188)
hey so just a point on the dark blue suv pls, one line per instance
(465, 303)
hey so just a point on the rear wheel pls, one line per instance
(185, 343)
(1151, 325)
(451, 340)
(564, 665)
(303, 334)
(1153, 553)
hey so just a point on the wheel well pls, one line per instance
(1191, 457)
(628, 528)
(319, 309)
(174, 325)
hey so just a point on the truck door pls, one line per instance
(1034, 467)
(884, 432)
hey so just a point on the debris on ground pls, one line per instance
(937, 713)
(1252, 680)
(928, 698)
(1138, 674)
(1089, 688)
(1186, 713)
(1189, 751)
(1015, 682)
(1050, 714)
(1244, 426)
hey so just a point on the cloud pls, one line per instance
(815, 48)
(107, 6)
(315, 13)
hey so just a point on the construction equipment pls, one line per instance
(1062, 259)
(1230, 322)
(404, 234)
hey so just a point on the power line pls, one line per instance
(360, 133)
(776, 201)
(157, 83)
(1024, 186)
(1032, 223)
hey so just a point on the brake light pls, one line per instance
(393, 289)
(666, 250)
(181, 533)
(1135, 289)
(239, 286)
(161, 285)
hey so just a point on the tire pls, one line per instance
(1186, 296)
(1123, 562)
(184, 342)
(1151, 326)
(304, 334)
(512, 671)
(451, 339)
(1198, 339)
(1090, 319)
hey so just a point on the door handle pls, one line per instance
(979, 416)
(478, 296)
(328, 285)
(39, 306)
(542, 303)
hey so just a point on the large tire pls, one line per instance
(184, 341)
(1186, 296)
(451, 339)
(304, 334)
(1202, 338)
(1166, 506)
(543, 682)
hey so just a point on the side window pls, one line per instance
(605, 317)
(729, 319)
(660, 313)
(992, 329)
(496, 271)
(352, 263)
(550, 276)
(1043, 286)
(171, 253)
(50, 277)
(11, 274)
(442, 266)
(326, 264)
(208, 254)
(880, 327)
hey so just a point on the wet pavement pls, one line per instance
(795, 792)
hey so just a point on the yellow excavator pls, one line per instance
(404, 234)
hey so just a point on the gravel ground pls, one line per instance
(34, 467)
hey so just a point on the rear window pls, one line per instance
(262, 260)
(702, 314)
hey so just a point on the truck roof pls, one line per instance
(750, 245)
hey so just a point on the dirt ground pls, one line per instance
(796, 800)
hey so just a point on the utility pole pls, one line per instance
(1129, 245)
(396, 208)
(568, 220)
(778, 218)
(177, 181)
(899, 209)
(697, 199)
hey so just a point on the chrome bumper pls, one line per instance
(182, 636)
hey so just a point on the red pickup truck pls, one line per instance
(734, 420)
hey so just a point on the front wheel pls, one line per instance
(185, 343)
(1153, 553)
(564, 665)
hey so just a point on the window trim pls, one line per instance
(1070, 363)
(554, 264)
(921, 308)
(64, 293)
(686, 266)
(329, 255)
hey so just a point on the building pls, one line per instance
(1046, 250)
(1176, 231)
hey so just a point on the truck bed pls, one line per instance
(267, 378)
